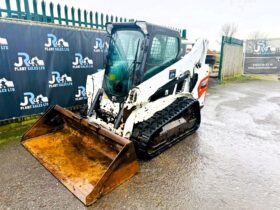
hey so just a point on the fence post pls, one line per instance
(43, 6)
(73, 16)
(26, 8)
(59, 13)
(35, 9)
(34, 15)
(221, 59)
(51, 11)
(96, 20)
(91, 19)
(8, 7)
(107, 19)
(102, 21)
(184, 34)
(66, 14)
(85, 18)
(79, 17)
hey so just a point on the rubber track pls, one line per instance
(144, 131)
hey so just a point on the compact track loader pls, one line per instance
(146, 99)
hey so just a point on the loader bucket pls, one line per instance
(88, 159)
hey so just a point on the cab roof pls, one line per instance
(145, 27)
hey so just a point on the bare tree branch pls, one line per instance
(257, 35)
(229, 29)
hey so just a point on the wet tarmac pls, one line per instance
(231, 162)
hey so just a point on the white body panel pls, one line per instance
(203, 73)
(190, 64)
(94, 82)
(186, 64)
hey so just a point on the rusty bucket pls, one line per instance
(88, 159)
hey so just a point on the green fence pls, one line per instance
(71, 16)
(227, 59)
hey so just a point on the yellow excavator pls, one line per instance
(147, 98)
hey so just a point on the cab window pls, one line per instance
(163, 52)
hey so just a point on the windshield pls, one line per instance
(123, 52)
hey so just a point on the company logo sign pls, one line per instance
(3, 44)
(26, 64)
(81, 95)
(55, 44)
(100, 46)
(32, 102)
(59, 81)
(263, 47)
(6, 86)
(82, 63)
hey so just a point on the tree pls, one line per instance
(255, 35)
(256, 41)
(229, 29)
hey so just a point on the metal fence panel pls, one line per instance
(59, 15)
(231, 59)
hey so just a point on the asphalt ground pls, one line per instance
(231, 162)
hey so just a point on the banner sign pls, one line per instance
(262, 56)
(42, 65)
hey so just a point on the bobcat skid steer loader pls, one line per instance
(146, 99)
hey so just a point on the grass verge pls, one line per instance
(248, 77)
(14, 131)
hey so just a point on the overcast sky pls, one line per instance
(201, 18)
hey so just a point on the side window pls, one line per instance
(164, 50)
(155, 53)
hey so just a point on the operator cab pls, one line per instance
(137, 51)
